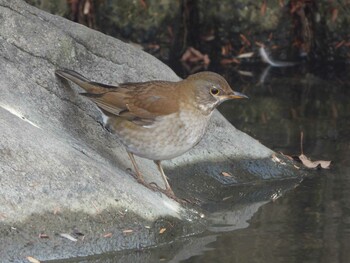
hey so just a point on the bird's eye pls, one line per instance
(214, 91)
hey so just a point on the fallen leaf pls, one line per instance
(144, 4)
(259, 44)
(275, 159)
(192, 55)
(41, 235)
(245, 73)
(226, 174)
(339, 44)
(226, 61)
(263, 8)
(107, 235)
(335, 12)
(245, 40)
(68, 236)
(270, 36)
(314, 164)
(288, 156)
(56, 210)
(162, 230)
(246, 55)
(87, 8)
(227, 197)
(127, 231)
(226, 49)
(32, 260)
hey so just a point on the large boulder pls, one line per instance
(62, 173)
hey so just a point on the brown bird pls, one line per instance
(157, 120)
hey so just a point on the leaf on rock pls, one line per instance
(246, 55)
(226, 174)
(32, 260)
(42, 235)
(68, 236)
(275, 159)
(108, 235)
(314, 164)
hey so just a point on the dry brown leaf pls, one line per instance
(227, 197)
(226, 61)
(41, 235)
(245, 40)
(288, 156)
(275, 159)
(193, 55)
(245, 55)
(339, 44)
(314, 164)
(226, 174)
(245, 73)
(87, 8)
(263, 8)
(144, 4)
(32, 260)
(107, 235)
(335, 12)
(162, 230)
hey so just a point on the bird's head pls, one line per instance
(210, 90)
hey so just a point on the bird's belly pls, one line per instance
(167, 138)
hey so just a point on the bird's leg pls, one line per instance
(168, 191)
(138, 174)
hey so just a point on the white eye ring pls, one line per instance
(214, 91)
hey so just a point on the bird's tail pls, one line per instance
(89, 86)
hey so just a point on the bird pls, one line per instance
(157, 120)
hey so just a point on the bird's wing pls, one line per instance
(140, 103)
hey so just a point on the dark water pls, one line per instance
(310, 223)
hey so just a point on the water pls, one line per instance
(310, 223)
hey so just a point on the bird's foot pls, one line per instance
(152, 186)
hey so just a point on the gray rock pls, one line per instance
(62, 172)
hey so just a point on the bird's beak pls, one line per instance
(236, 95)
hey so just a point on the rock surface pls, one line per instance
(62, 172)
